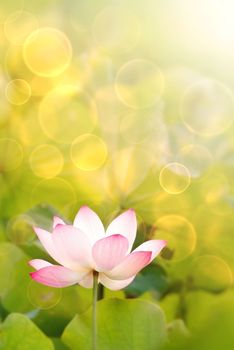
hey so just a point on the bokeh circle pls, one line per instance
(207, 108)
(88, 152)
(18, 92)
(47, 52)
(211, 272)
(67, 112)
(11, 154)
(139, 83)
(180, 235)
(116, 30)
(174, 178)
(46, 161)
(43, 297)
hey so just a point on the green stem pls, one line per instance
(100, 292)
(95, 294)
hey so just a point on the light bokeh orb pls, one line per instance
(18, 25)
(138, 126)
(211, 272)
(207, 108)
(11, 154)
(217, 194)
(174, 178)
(47, 52)
(67, 112)
(116, 30)
(46, 161)
(43, 297)
(18, 92)
(180, 235)
(56, 192)
(88, 152)
(139, 83)
(20, 229)
(125, 171)
(196, 158)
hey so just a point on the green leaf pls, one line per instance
(58, 345)
(14, 272)
(122, 324)
(74, 300)
(10, 256)
(19, 333)
(42, 215)
(153, 277)
(170, 305)
(211, 319)
(2, 232)
(209, 304)
(177, 331)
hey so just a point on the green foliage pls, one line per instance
(14, 272)
(74, 300)
(42, 215)
(177, 332)
(170, 305)
(153, 277)
(19, 333)
(122, 324)
(211, 320)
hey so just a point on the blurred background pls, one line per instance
(119, 104)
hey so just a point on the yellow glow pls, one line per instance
(19, 25)
(46, 161)
(20, 229)
(14, 64)
(203, 268)
(47, 52)
(179, 233)
(88, 152)
(18, 92)
(174, 178)
(196, 158)
(211, 21)
(216, 193)
(109, 107)
(138, 126)
(67, 112)
(28, 129)
(11, 154)
(56, 192)
(139, 83)
(126, 171)
(207, 108)
(116, 30)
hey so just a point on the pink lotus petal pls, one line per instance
(130, 266)
(38, 264)
(87, 281)
(73, 246)
(89, 222)
(58, 221)
(126, 225)
(109, 252)
(45, 238)
(113, 284)
(155, 246)
(56, 276)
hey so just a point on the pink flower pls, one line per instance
(85, 247)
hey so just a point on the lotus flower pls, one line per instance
(85, 247)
